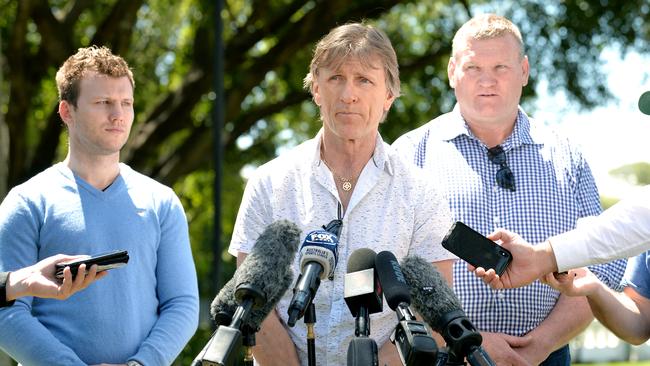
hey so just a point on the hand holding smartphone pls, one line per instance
(104, 261)
(475, 248)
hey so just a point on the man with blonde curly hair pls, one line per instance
(142, 314)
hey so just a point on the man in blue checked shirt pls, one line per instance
(502, 169)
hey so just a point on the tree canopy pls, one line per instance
(268, 45)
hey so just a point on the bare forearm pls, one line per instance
(16, 286)
(388, 355)
(274, 344)
(545, 258)
(569, 317)
(620, 314)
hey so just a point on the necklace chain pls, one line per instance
(346, 183)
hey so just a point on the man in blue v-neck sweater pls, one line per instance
(141, 314)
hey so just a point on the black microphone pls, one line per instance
(255, 289)
(396, 290)
(362, 290)
(363, 295)
(644, 103)
(362, 351)
(413, 340)
(318, 258)
(441, 309)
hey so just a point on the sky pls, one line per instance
(614, 134)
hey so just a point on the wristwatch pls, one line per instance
(4, 276)
(133, 363)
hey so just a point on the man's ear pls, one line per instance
(525, 70)
(65, 112)
(451, 69)
(388, 102)
(315, 92)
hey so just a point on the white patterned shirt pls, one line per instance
(392, 208)
(554, 187)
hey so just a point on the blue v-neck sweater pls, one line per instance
(146, 311)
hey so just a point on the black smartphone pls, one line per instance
(104, 261)
(475, 248)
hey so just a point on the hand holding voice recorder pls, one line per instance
(104, 261)
(476, 249)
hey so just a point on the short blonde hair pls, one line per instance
(93, 58)
(486, 26)
(359, 41)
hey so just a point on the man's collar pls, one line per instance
(379, 156)
(524, 132)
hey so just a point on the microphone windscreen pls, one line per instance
(258, 315)
(395, 288)
(430, 295)
(361, 259)
(224, 305)
(644, 103)
(267, 268)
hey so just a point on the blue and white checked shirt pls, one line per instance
(554, 188)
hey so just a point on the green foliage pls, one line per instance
(608, 202)
(637, 173)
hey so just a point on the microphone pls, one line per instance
(224, 305)
(413, 340)
(442, 310)
(253, 291)
(644, 103)
(362, 351)
(222, 309)
(396, 290)
(363, 295)
(318, 259)
(362, 290)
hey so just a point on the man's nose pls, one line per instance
(349, 94)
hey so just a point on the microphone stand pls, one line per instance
(362, 323)
(362, 350)
(229, 338)
(248, 343)
(310, 320)
(198, 359)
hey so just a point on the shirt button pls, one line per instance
(501, 295)
(496, 220)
